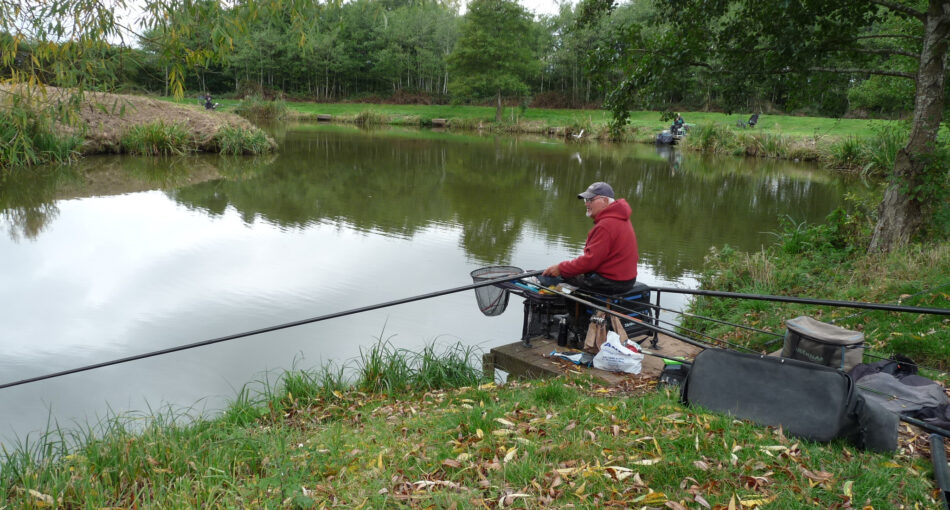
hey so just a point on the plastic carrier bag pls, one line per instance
(613, 356)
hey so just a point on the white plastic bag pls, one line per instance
(615, 357)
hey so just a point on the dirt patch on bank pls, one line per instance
(104, 118)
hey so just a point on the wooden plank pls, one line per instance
(523, 362)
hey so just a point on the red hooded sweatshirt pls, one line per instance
(611, 248)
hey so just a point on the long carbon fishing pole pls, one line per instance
(899, 301)
(718, 321)
(269, 329)
(807, 301)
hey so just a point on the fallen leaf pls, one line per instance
(452, 463)
(618, 473)
(512, 453)
(847, 488)
(646, 462)
(675, 506)
(752, 503)
(654, 498)
(42, 499)
(820, 476)
(701, 465)
(505, 422)
(702, 501)
(510, 498)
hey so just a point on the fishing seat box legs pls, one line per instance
(635, 304)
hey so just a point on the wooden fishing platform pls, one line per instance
(535, 362)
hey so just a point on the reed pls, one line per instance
(157, 139)
(257, 108)
(236, 140)
(28, 137)
(371, 118)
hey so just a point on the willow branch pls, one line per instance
(890, 36)
(879, 72)
(888, 51)
(901, 9)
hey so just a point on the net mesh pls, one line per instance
(492, 299)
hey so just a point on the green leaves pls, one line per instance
(493, 55)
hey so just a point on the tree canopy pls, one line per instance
(743, 48)
(494, 54)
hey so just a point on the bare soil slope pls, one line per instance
(104, 118)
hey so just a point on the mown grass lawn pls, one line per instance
(649, 121)
(564, 443)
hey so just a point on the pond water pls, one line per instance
(125, 255)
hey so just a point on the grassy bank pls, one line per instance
(417, 431)
(852, 144)
(829, 261)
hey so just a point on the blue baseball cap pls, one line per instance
(598, 189)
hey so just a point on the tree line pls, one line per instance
(827, 57)
(422, 51)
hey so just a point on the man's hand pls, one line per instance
(552, 271)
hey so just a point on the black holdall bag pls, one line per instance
(811, 340)
(807, 400)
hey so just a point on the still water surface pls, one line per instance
(128, 255)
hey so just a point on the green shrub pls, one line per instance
(157, 139)
(237, 140)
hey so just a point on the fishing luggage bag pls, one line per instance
(807, 339)
(807, 400)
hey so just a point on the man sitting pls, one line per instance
(609, 262)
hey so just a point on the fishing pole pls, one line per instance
(807, 301)
(899, 301)
(269, 329)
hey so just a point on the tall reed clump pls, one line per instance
(385, 369)
(370, 118)
(712, 138)
(157, 139)
(873, 156)
(881, 150)
(258, 108)
(764, 144)
(238, 140)
(28, 137)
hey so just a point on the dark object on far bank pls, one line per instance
(209, 104)
(753, 120)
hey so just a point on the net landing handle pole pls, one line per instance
(270, 329)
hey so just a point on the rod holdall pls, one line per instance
(807, 400)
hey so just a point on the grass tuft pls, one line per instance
(28, 137)
(157, 139)
(237, 140)
(258, 108)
